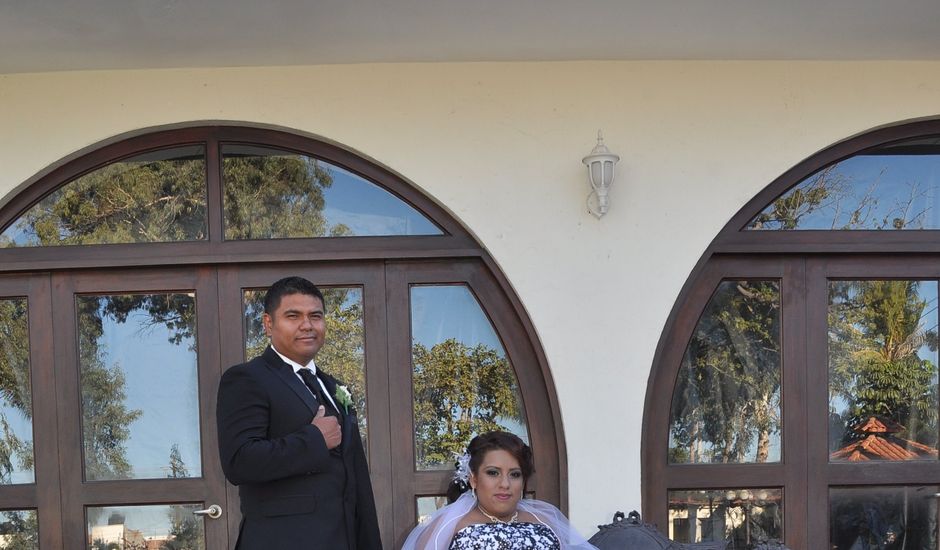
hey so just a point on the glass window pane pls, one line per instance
(889, 187)
(140, 401)
(145, 527)
(882, 370)
(463, 382)
(343, 355)
(16, 414)
(726, 403)
(744, 516)
(158, 196)
(274, 194)
(428, 505)
(19, 529)
(883, 517)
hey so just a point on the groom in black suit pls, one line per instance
(289, 438)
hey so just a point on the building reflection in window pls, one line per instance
(145, 527)
(744, 516)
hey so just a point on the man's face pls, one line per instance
(297, 327)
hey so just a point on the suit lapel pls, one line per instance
(286, 374)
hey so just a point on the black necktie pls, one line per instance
(313, 383)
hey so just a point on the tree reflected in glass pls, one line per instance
(19, 530)
(891, 187)
(883, 370)
(275, 194)
(16, 409)
(726, 403)
(158, 196)
(463, 382)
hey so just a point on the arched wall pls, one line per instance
(802, 263)
(499, 145)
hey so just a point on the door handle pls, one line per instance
(214, 512)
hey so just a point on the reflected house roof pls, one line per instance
(880, 443)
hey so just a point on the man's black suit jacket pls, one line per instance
(295, 493)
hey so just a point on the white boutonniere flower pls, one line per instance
(344, 397)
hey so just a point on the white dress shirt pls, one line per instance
(313, 367)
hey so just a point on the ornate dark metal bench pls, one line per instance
(629, 533)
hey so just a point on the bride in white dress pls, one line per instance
(487, 510)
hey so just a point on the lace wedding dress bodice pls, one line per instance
(505, 536)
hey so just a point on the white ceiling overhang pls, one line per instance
(55, 35)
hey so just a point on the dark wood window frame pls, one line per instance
(803, 262)
(217, 270)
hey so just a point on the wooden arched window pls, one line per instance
(130, 279)
(794, 390)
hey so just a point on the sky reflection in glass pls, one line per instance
(158, 365)
(880, 190)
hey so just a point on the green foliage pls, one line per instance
(835, 191)
(16, 453)
(788, 210)
(21, 529)
(459, 392)
(105, 416)
(185, 531)
(175, 311)
(132, 201)
(342, 355)
(14, 355)
(875, 333)
(726, 404)
(177, 468)
(276, 196)
(106, 420)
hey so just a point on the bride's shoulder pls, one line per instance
(470, 518)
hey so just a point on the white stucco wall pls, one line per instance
(500, 145)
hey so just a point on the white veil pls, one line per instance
(437, 532)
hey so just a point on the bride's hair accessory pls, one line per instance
(462, 471)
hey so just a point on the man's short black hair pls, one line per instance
(286, 286)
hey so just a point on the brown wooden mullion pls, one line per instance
(69, 412)
(401, 399)
(796, 423)
(378, 375)
(234, 252)
(214, 191)
(817, 399)
(45, 423)
(24, 497)
(130, 492)
(213, 485)
(231, 329)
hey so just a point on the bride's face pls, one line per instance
(498, 483)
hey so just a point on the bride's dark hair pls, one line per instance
(492, 441)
